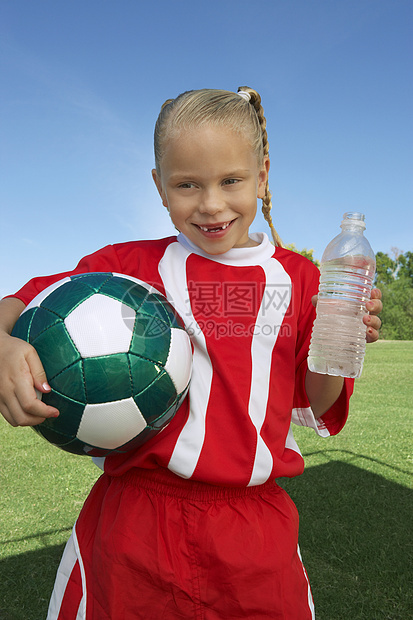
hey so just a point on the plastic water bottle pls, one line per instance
(338, 340)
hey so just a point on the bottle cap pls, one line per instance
(354, 215)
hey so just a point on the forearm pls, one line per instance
(322, 391)
(10, 310)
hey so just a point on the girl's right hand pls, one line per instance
(21, 374)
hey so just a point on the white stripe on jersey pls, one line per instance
(267, 327)
(273, 307)
(172, 269)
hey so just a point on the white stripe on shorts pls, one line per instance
(70, 556)
(310, 596)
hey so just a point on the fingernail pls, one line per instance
(46, 387)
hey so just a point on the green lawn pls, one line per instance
(355, 497)
(355, 502)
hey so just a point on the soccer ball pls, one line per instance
(116, 355)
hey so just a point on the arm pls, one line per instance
(10, 310)
(323, 390)
(21, 373)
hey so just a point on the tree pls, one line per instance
(406, 267)
(304, 252)
(394, 277)
(385, 270)
(388, 270)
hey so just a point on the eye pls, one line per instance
(230, 181)
(185, 185)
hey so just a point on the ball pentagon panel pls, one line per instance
(100, 325)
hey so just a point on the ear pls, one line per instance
(158, 183)
(263, 177)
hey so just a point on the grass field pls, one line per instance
(354, 499)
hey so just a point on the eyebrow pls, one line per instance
(233, 173)
(237, 173)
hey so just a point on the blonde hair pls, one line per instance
(221, 108)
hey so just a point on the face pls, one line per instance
(209, 181)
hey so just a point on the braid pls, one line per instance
(266, 201)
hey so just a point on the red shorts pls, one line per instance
(150, 545)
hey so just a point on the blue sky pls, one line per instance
(82, 82)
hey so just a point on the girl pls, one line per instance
(193, 524)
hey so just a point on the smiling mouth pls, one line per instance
(215, 228)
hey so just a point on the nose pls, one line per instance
(211, 202)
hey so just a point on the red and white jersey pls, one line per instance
(249, 315)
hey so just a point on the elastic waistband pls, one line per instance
(163, 481)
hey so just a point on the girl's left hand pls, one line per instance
(371, 320)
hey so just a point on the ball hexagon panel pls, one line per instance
(143, 373)
(169, 312)
(22, 327)
(151, 339)
(55, 339)
(69, 419)
(70, 382)
(63, 299)
(157, 398)
(107, 378)
(127, 290)
(67, 443)
(37, 301)
(42, 319)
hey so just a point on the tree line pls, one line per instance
(394, 277)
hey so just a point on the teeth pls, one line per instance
(223, 227)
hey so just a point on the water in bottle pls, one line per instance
(338, 340)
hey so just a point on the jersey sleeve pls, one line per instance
(333, 420)
(103, 260)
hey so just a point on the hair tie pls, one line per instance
(244, 95)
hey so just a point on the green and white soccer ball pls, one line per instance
(117, 357)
